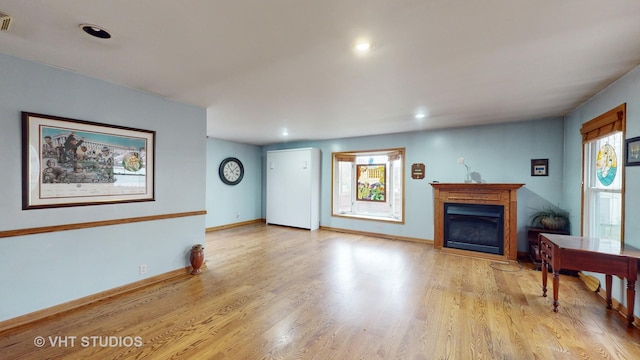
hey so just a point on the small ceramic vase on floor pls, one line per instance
(196, 258)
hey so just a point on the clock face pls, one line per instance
(231, 171)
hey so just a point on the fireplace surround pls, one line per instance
(498, 196)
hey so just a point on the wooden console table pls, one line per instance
(589, 254)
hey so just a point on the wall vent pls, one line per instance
(5, 21)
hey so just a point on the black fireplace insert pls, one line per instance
(475, 227)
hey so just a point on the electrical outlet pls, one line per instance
(143, 269)
(237, 215)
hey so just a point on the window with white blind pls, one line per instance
(369, 185)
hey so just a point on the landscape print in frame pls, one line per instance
(68, 162)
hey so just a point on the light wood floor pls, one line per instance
(272, 292)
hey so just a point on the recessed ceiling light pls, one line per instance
(363, 46)
(420, 113)
(95, 30)
(285, 132)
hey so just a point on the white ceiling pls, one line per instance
(260, 66)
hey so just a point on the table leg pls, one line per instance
(544, 278)
(556, 285)
(631, 298)
(607, 279)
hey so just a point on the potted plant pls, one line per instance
(550, 218)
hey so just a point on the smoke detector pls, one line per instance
(5, 21)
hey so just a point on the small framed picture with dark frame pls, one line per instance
(632, 152)
(539, 167)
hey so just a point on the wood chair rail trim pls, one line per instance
(65, 227)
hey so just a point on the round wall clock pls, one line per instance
(231, 171)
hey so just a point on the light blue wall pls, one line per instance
(228, 204)
(39, 271)
(625, 90)
(500, 153)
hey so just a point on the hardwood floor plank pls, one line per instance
(271, 292)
